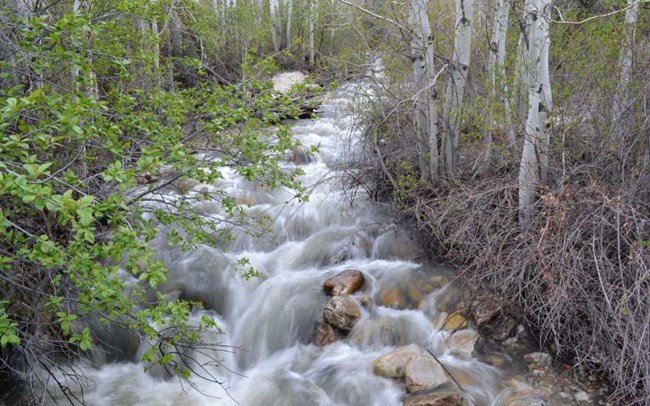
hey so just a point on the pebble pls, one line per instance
(582, 396)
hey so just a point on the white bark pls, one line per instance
(276, 28)
(532, 169)
(459, 68)
(311, 18)
(622, 100)
(423, 78)
(289, 15)
(521, 80)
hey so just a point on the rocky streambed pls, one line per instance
(349, 308)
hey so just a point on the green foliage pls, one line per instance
(80, 126)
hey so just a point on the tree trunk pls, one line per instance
(276, 28)
(311, 18)
(423, 79)
(521, 80)
(531, 171)
(622, 100)
(459, 68)
(289, 15)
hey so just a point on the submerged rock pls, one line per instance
(342, 312)
(344, 283)
(424, 373)
(393, 298)
(325, 334)
(393, 364)
(434, 399)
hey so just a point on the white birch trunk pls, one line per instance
(531, 169)
(521, 80)
(311, 18)
(276, 30)
(622, 99)
(456, 87)
(423, 77)
(289, 15)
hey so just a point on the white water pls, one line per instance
(271, 319)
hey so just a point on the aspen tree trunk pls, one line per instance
(276, 30)
(423, 79)
(289, 15)
(521, 80)
(459, 68)
(501, 32)
(622, 99)
(531, 169)
(311, 17)
(498, 84)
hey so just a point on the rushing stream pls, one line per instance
(267, 356)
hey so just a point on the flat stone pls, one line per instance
(344, 283)
(539, 358)
(434, 399)
(424, 373)
(527, 398)
(325, 334)
(393, 364)
(582, 396)
(342, 312)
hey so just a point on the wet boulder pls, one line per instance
(393, 364)
(393, 298)
(344, 283)
(424, 373)
(325, 334)
(434, 399)
(462, 343)
(454, 321)
(342, 312)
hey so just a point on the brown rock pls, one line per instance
(434, 399)
(393, 364)
(185, 185)
(413, 293)
(393, 298)
(325, 334)
(424, 373)
(455, 321)
(486, 310)
(344, 283)
(342, 312)
(500, 329)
